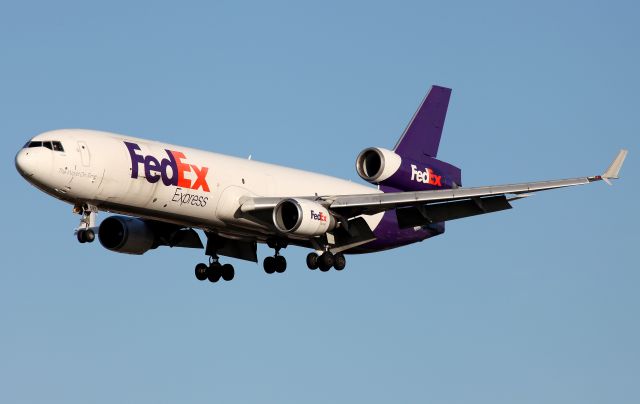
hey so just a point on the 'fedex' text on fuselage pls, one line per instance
(155, 170)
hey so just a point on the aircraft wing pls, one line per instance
(422, 207)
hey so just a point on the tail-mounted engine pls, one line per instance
(386, 167)
(302, 217)
(376, 165)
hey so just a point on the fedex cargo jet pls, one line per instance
(161, 193)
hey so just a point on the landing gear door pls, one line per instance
(85, 155)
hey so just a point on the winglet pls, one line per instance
(614, 169)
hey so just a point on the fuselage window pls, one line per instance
(57, 146)
(35, 144)
(47, 145)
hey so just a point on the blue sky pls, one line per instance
(536, 304)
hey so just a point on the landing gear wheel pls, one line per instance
(85, 231)
(339, 262)
(326, 261)
(89, 236)
(85, 235)
(227, 272)
(269, 265)
(201, 272)
(213, 272)
(312, 261)
(281, 263)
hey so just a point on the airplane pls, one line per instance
(162, 193)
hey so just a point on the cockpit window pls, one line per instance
(51, 145)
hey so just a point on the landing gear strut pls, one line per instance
(86, 230)
(277, 263)
(214, 271)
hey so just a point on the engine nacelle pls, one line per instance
(302, 217)
(126, 235)
(385, 167)
(376, 164)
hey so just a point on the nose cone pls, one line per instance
(26, 163)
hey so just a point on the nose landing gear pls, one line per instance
(86, 230)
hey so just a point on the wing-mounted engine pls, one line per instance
(130, 235)
(302, 217)
(385, 167)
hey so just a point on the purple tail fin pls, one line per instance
(422, 135)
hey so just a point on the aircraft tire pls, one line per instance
(227, 272)
(213, 272)
(339, 262)
(89, 236)
(281, 264)
(269, 265)
(81, 236)
(312, 261)
(326, 261)
(201, 272)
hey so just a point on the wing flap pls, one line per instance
(422, 215)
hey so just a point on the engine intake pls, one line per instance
(126, 235)
(386, 167)
(377, 164)
(302, 217)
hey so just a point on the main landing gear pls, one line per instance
(326, 261)
(86, 230)
(277, 263)
(214, 271)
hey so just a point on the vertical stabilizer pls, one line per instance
(422, 135)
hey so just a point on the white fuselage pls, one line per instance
(96, 168)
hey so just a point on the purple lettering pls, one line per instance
(136, 159)
(171, 162)
(151, 168)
